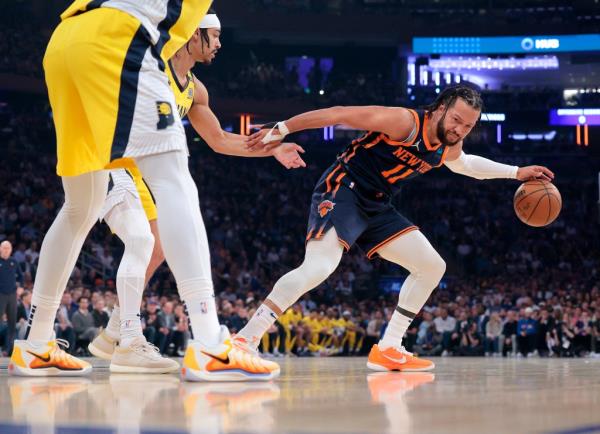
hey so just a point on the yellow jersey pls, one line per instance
(290, 318)
(184, 92)
(170, 24)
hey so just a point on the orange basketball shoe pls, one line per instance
(225, 362)
(45, 359)
(396, 359)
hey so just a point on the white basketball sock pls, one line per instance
(130, 328)
(41, 318)
(112, 328)
(199, 298)
(396, 329)
(263, 318)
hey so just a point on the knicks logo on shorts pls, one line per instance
(325, 207)
(165, 115)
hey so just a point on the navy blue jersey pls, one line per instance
(377, 163)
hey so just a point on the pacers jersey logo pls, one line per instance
(165, 115)
(325, 207)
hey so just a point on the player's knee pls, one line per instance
(320, 264)
(318, 268)
(435, 267)
(140, 244)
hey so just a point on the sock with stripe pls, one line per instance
(396, 328)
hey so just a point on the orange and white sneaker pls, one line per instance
(45, 359)
(396, 359)
(225, 362)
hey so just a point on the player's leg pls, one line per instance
(412, 251)
(128, 221)
(147, 201)
(158, 256)
(184, 239)
(84, 196)
(83, 64)
(211, 356)
(114, 323)
(321, 259)
(103, 345)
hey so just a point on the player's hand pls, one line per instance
(534, 172)
(254, 142)
(288, 154)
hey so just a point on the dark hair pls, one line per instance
(204, 32)
(450, 94)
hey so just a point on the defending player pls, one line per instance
(128, 218)
(110, 98)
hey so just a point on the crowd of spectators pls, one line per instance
(509, 289)
(21, 49)
(247, 76)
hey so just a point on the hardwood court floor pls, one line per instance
(317, 395)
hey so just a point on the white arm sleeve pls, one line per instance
(481, 168)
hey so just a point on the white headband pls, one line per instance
(210, 21)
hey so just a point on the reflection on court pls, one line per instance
(316, 395)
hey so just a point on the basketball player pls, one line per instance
(352, 204)
(128, 218)
(110, 97)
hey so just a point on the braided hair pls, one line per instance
(204, 32)
(450, 94)
(203, 35)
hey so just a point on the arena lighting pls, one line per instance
(507, 44)
(578, 141)
(548, 136)
(411, 74)
(328, 132)
(493, 64)
(245, 125)
(580, 116)
(493, 117)
(499, 133)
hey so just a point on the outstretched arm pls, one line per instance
(396, 122)
(208, 127)
(483, 168)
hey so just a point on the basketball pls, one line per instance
(537, 202)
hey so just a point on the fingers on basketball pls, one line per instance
(537, 202)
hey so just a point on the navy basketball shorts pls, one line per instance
(362, 219)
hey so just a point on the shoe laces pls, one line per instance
(403, 350)
(63, 344)
(59, 351)
(146, 347)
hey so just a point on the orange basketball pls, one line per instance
(537, 203)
